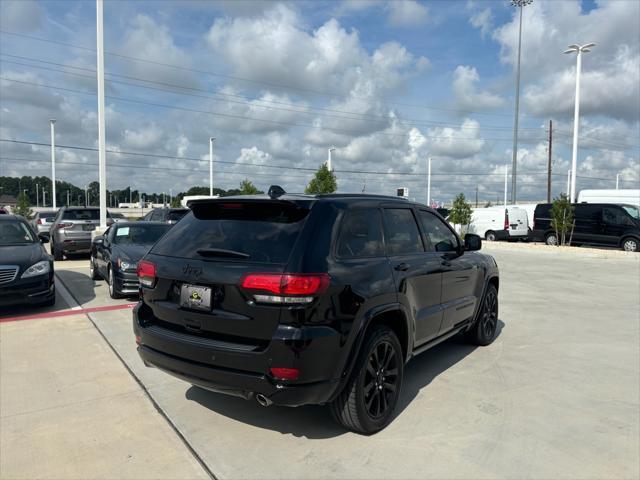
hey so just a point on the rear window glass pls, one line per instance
(176, 214)
(81, 215)
(266, 232)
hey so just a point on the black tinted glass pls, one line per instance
(176, 214)
(264, 231)
(438, 236)
(615, 216)
(81, 215)
(139, 234)
(401, 232)
(361, 234)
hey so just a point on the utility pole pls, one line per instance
(549, 162)
(476, 195)
(44, 197)
(617, 180)
(52, 122)
(429, 183)
(211, 139)
(102, 153)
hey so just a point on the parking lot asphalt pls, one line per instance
(557, 395)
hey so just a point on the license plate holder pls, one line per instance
(88, 228)
(195, 297)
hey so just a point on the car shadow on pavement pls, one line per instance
(315, 421)
(79, 284)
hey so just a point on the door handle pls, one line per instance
(402, 267)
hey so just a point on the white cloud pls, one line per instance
(483, 20)
(465, 79)
(406, 13)
(456, 143)
(21, 15)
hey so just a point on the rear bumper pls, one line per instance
(31, 291)
(243, 372)
(79, 245)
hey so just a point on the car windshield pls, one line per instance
(93, 214)
(633, 211)
(15, 233)
(139, 234)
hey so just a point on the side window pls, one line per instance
(361, 234)
(401, 232)
(156, 216)
(439, 237)
(613, 216)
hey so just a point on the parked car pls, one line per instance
(299, 299)
(165, 215)
(117, 217)
(42, 221)
(26, 269)
(500, 223)
(627, 196)
(71, 229)
(115, 255)
(595, 224)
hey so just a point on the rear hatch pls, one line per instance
(517, 222)
(201, 262)
(79, 223)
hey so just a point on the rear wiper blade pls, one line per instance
(219, 252)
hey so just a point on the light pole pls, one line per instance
(44, 197)
(576, 117)
(86, 196)
(506, 181)
(429, 183)
(329, 158)
(102, 153)
(37, 194)
(617, 180)
(211, 139)
(52, 122)
(568, 181)
(519, 4)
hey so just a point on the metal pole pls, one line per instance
(329, 167)
(549, 162)
(211, 139)
(68, 193)
(37, 194)
(617, 180)
(86, 196)
(576, 116)
(506, 182)
(102, 154)
(44, 197)
(429, 184)
(52, 122)
(568, 182)
(515, 120)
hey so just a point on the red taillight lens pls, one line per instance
(287, 283)
(39, 221)
(506, 220)
(147, 273)
(65, 225)
(282, 373)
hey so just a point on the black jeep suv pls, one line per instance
(294, 299)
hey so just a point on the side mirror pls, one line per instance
(43, 238)
(98, 240)
(472, 242)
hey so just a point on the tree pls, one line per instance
(248, 188)
(22, 207)
(562, 218)
(460, 213)
(323, 182)
(175, 202)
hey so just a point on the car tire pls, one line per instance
(57, 256)
(490, 236)
(367, 403)
(551, 239)
(93, 271)
(113, 293)
(483, 331)
(630, 244)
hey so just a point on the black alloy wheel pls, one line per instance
(380, 379)
(483, 332)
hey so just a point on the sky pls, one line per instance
(388, 84)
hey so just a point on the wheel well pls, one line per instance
(487, 233)
(495, 281)
(395, 321)
(627, 237)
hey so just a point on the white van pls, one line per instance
(500, 223)
(627, 196)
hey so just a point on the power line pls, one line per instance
(243, 117)
(231, 77)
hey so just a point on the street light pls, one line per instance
(37, 194)
(429, 183)
(519, 4)
(211, 139)
(574, 158)
(52, 122)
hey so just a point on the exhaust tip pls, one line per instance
(262, 400)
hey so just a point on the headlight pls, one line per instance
(127, 265)
(39, 268)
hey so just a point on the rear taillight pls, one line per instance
(506, 219)
(147, 273)
(290, 288)
(39, 221)
(65, 225)
(282, 373)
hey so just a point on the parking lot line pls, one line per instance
(64, 313)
